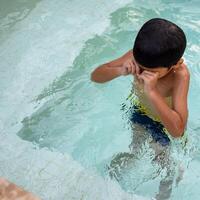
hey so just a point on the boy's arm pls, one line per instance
(110, 70)
(179, 95)
(174, 119)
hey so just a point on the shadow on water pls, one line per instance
(12, 12)
(73, 93)
(9, 7)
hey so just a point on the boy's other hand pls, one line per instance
(129, 67)
(149, 79)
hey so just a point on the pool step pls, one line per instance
(10, 191)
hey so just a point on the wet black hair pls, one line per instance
(159, 43)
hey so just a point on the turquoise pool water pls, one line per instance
(60, 132)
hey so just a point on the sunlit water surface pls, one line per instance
(65, 137)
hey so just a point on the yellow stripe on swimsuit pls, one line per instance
(141, 114)
(135, 101)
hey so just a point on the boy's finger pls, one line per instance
(144, 77)
(129, 68)
(132, 68)
(137, 69)
(148, 72)
(151, 73)
(148, 76)
(157, 74)
(140, 79)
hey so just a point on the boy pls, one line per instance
(161, 83)
(161, 79)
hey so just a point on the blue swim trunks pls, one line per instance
(155, 128)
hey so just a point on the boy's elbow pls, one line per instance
(94, 78)
(178, 130)
(178, 134)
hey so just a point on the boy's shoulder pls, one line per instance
(182, 73)
(181, 79)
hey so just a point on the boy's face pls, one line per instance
(162, 71)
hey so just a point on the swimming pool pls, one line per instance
(60, 131)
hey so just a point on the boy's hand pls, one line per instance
(129, 67)
(149, 80)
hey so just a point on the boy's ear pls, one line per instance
(178, 63)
